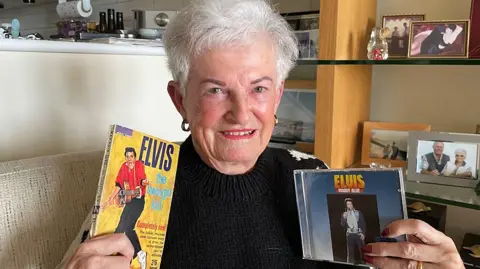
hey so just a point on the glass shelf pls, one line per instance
(447, 195)
(392, 62)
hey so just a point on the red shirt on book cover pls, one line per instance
(134, 174)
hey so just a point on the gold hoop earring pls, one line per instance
(185, 126)
(276, 120)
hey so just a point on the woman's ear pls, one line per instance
(176, 96)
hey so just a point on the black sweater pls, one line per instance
(241, 221)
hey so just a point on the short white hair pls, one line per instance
(457, 151)
(206, 24)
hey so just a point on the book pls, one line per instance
(340, 211)
(135, 191)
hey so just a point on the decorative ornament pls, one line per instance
(301, 155)
(377, 46)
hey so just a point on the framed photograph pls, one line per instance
(386, 143)
(308, 44)
(475, 30)
(444, 158)
(305, 27)
(398, 38)
(300, 21)
(439, 39)
(296, 117)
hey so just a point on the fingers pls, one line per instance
(394, 263)
(424, 232)
(406, 250)
(99, 262)
(107, 245)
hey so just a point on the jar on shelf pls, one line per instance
(378, 47)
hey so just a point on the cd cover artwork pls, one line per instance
(340, 211)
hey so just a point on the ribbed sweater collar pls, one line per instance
(224, 187)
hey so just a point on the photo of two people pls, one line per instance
(449, 159)
(390, 145)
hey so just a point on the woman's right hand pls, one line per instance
(97, 253)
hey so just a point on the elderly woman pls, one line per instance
(458, 167)
(234, 204)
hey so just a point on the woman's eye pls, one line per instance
(215, 91)
(260, 89)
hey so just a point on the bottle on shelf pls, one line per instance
(119, 21)
(102, 26)
(111, 21)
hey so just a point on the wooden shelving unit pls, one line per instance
(301, 84)
(343, 91)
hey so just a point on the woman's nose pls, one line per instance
(240, 110)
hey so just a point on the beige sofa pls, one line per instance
(43, 204)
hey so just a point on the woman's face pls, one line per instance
(230, 103)
(460, 157)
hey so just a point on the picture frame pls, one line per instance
(378, 142)
(474, 30)
(301, 21)
(439, 39)
(296, 116)
(400, 24)
(305, 26)
(433, 158)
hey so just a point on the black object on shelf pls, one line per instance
(102, 26)
(1, 5)
(111, 21)
(452, 61)
(468, 252)
(29, 1)
(119, 21)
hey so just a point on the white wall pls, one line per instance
(53, 103)
(41, 16)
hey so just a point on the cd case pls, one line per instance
(340, 211)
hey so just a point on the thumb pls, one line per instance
(107, 245)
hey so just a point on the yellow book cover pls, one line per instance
(135, 192)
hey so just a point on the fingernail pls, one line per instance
(368, 259)
(385, 232)
(367, 249)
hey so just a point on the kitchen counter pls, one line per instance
(77, 47)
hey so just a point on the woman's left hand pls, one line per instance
(426, 247)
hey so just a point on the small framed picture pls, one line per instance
(386, 143)
(398, 38)
(308, 44)
(439, 39)
(301, 21)
(305, 26)
(444, 158)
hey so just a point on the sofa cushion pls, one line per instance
(43, 204)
